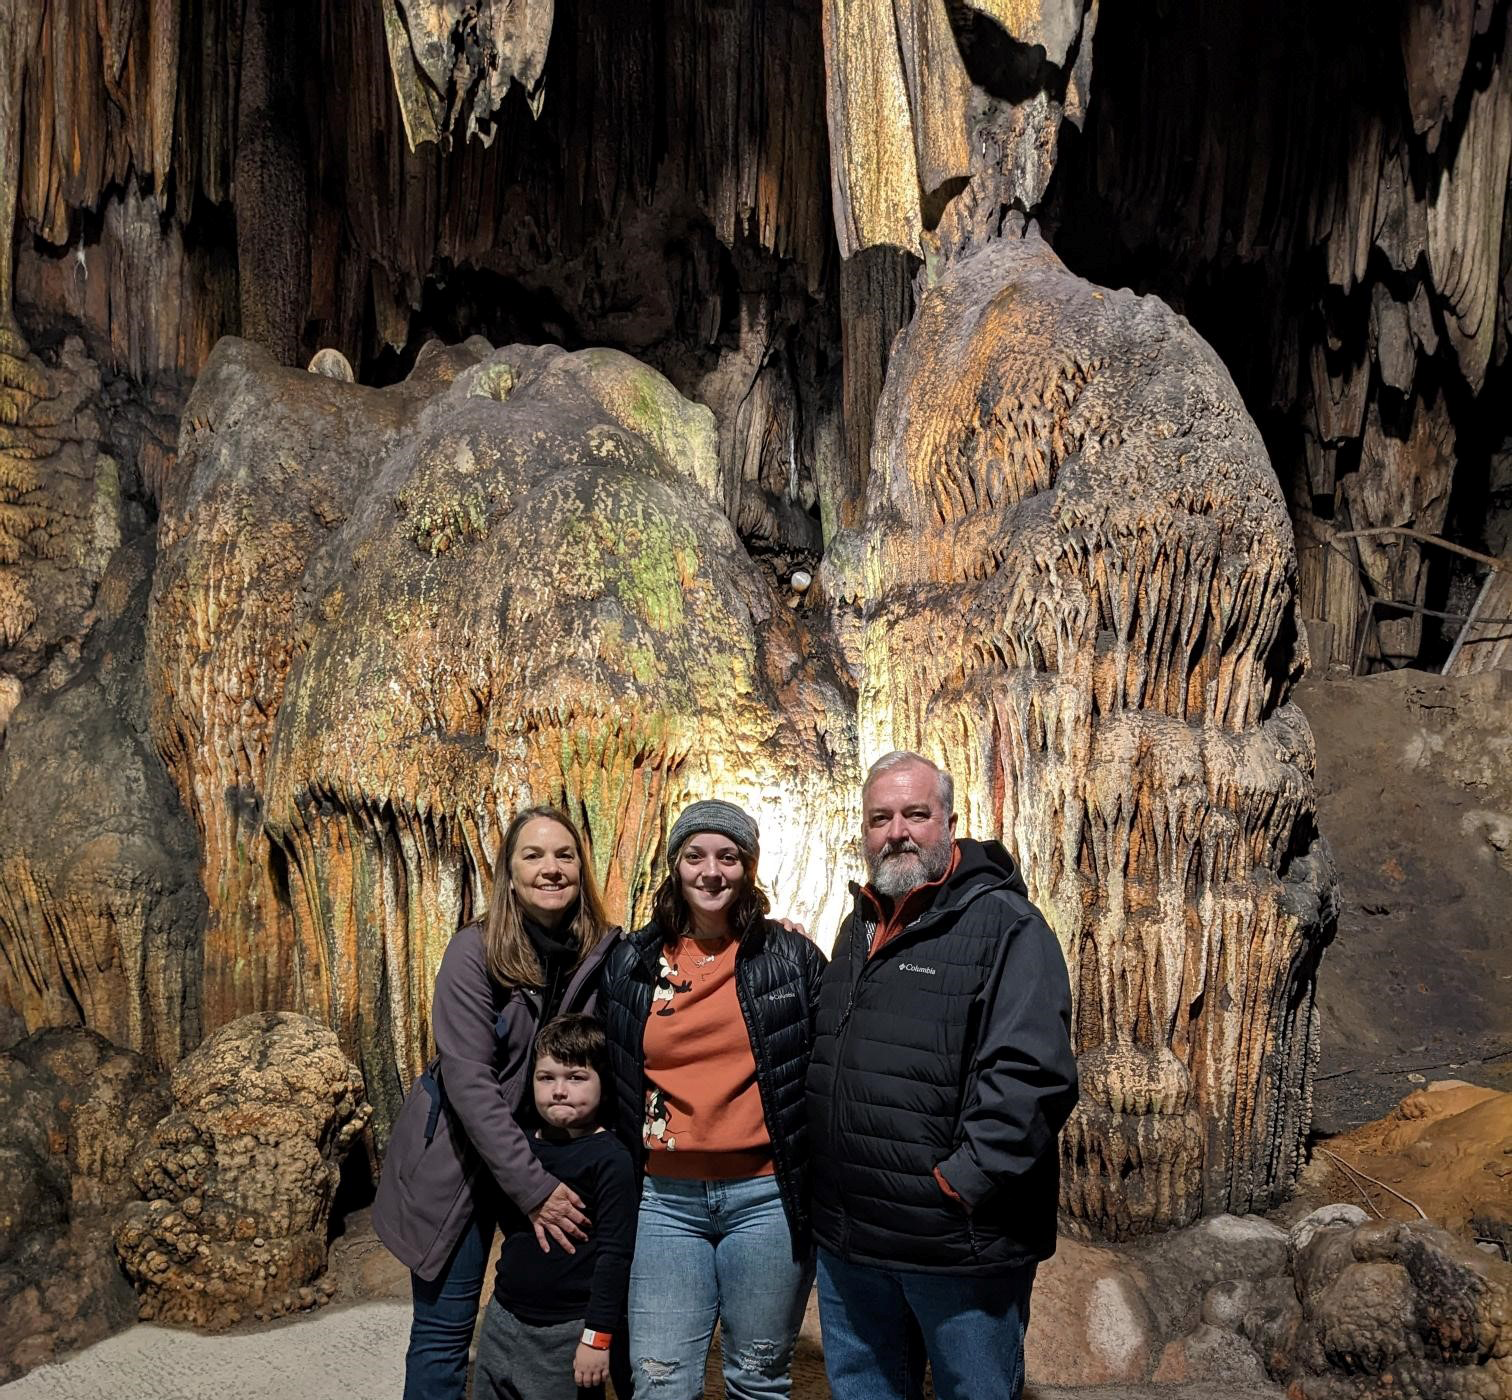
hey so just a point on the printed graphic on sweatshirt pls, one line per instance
(655, 1127)
(691, 985)
(667, 986)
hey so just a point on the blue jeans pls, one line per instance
(879, 1326)
(446, 1311)
(708, 1251)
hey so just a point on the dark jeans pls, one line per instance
(879, 1326)
(446, 1311)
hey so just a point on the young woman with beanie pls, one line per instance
(710, 1013)
(458, 1154)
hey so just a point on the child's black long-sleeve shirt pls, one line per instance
(554, 1286)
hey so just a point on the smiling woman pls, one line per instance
(709, 1011)
(538, 952)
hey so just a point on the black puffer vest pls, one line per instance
(939, 1048)
(777, 984)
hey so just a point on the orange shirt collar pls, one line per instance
(914, 902)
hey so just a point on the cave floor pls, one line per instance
(356, 1352)
(1415, 800)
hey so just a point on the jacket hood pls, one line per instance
(985, 862)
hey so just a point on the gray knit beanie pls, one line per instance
(723, 818)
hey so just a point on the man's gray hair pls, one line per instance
(898, 758)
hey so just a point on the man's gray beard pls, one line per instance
(896, 872)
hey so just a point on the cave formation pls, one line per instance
(625, 316)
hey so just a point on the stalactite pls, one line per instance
(449, 59)
(943, 117)
(1356, 168)
(1074, 585)
(272, 230)
(685, 125)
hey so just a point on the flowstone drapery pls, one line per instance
(384, 620)
(1076, 586)
(380, 620)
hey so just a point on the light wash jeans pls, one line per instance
(708, 1251)
(879, 1325)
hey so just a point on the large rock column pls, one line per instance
(1075, 586)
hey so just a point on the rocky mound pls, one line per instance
(240, 1176)
(1446, 1150)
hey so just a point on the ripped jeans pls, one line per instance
(707, 1251)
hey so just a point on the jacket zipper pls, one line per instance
(919, 925)
(840, 1028)
(763, 1078)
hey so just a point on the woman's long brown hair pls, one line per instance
(512, 962)
(673, 917)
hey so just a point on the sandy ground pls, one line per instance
(357, 1353)
(350, 1353)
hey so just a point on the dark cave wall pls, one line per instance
(1323, 190)
(671, 198)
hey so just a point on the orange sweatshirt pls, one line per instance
(703, 1108)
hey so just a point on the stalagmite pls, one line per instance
(1079, 591)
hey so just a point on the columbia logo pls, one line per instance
(785, 994)
(917, 967)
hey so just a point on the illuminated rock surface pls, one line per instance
(1076, 585)
(382, 620)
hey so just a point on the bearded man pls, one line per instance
(942, 1073)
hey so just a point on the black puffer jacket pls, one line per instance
(777, 977)
(950, 1047)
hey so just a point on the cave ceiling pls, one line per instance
(704, 398)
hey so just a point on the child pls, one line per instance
(547, 1328)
